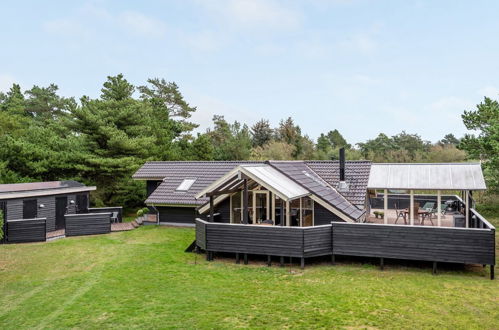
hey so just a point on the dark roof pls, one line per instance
(304, 175)
(175, 172)
(356, 175)
(206, 172)
(31, 186)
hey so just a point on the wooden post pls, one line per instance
(382, 263)
(411, 208)
(302, 263)
(434, 268)
(282, 213)
(385, 206)
(245, 201)
(467, 208)
(439, 208)
(207, 255)
(282, 261)
(211, 209)
(269, 260)
(245, 258)
(288, 219)
(237, 258)
(491, 272)
(333, 260)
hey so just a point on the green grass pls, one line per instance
(143, 279)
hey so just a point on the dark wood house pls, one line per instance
(173, 190)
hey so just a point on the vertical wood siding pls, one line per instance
(28, 230)
(71, 207)
(177, 214)
(48, 211)
(88, 224)
(14, 209)
(322, 216)
(201, 234)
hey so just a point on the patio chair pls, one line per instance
(114, 217)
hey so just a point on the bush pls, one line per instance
(142, 211)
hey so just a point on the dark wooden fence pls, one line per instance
(437, 244)
(88, 224)
(297, 242)
(26, 230)
(118, 209)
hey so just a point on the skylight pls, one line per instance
(185, 185)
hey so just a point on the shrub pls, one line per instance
(142, 211)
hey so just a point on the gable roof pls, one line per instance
(172, 173)
(266, 176)
(430, 176)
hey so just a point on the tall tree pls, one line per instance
(485, 145)
(337, 140)
(449, 139)
(231, 141)
(261, 132)
(169, 121)
(44, 103)
(115, 135)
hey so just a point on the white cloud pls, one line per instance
(256, 14)
(6, 82)
(141, 24)
(207, 106)
(204, 41)
(489, 91)
(81, 23)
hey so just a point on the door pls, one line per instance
(29, 209)
(82, 203)
(61, 204)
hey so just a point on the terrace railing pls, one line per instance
(88, 224)
(436, 244)
(26, 230)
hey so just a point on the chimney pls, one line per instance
(343, 185)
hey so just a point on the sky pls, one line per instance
(362, 67)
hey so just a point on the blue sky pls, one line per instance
(362, 67)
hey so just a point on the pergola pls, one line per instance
(241, 177)
(465, 177)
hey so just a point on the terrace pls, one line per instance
(458, 235)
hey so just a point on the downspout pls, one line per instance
(157, 214)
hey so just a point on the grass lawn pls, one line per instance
(142, 278)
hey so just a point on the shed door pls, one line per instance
(61, 204)
(29, 209)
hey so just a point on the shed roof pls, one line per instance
(430, 176)
(32, 189)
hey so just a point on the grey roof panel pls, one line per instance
(430, 176)
(318, 177)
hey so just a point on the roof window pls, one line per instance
(185, 185)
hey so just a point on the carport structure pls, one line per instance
(463, 177)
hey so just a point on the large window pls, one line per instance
(236, 207)
(307, 212)
(185, 185)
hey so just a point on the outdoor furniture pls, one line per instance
(114, 217)
(400, 214)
